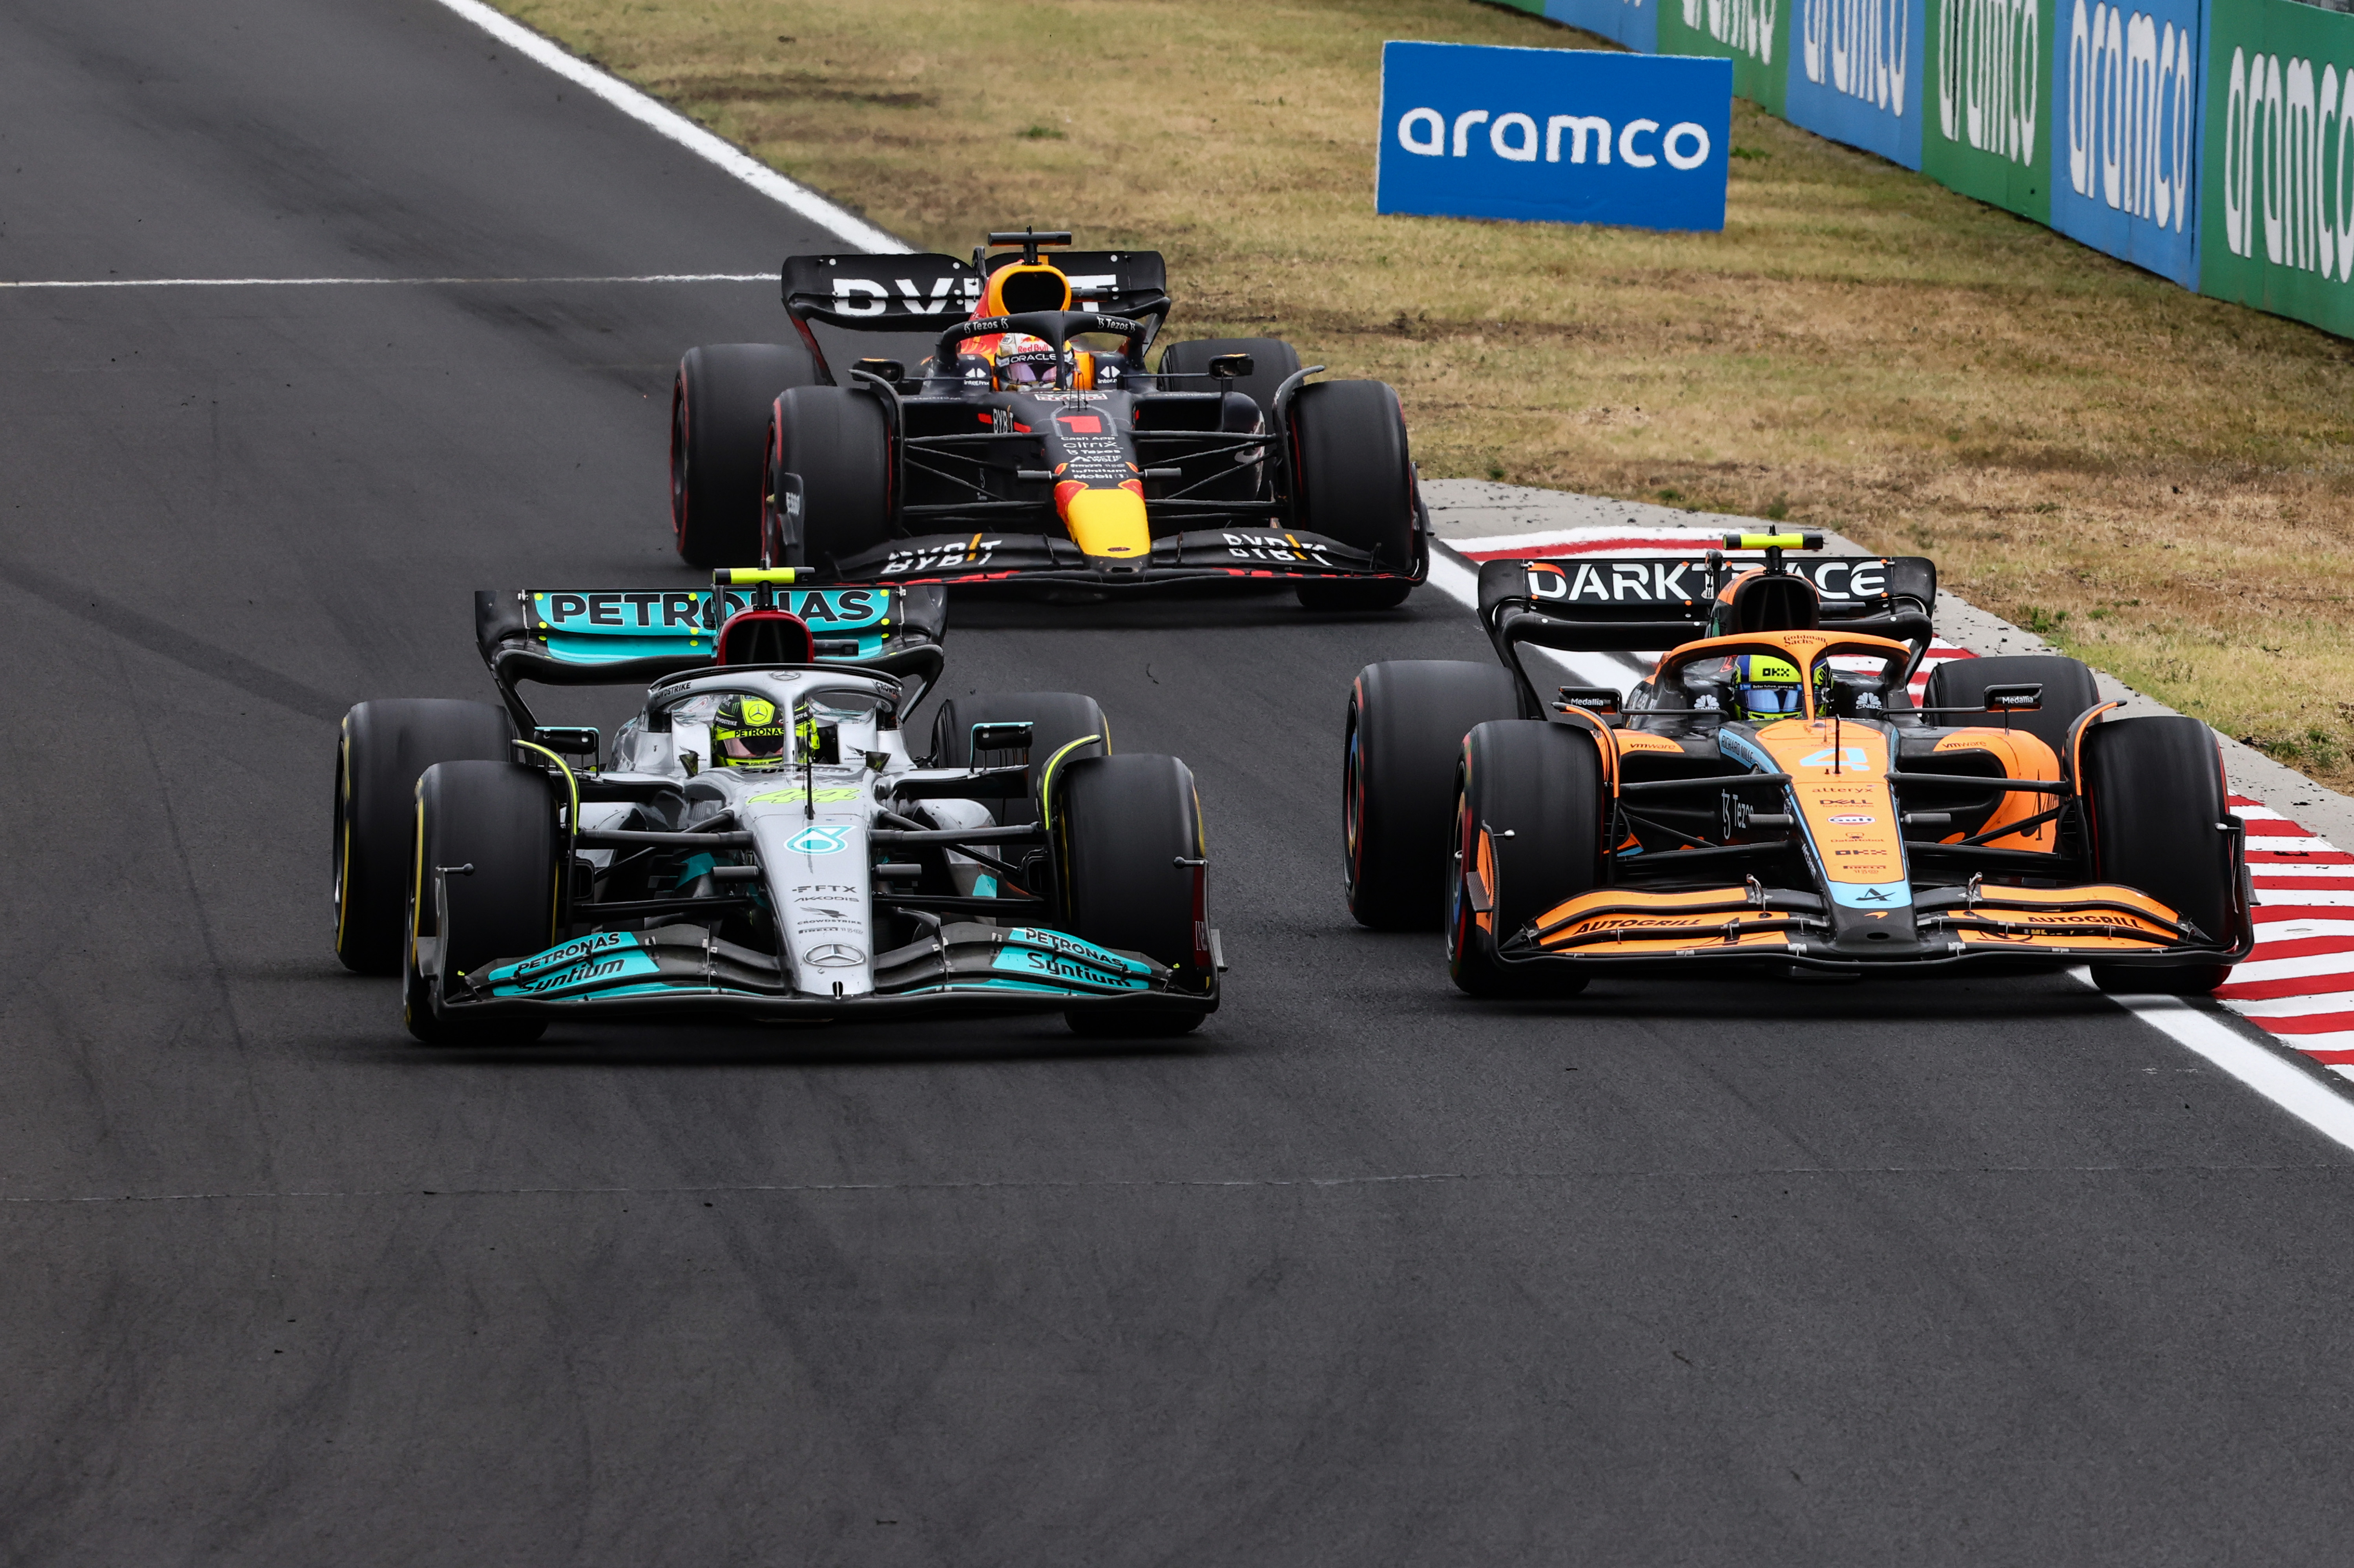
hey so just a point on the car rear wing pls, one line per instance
(614, 637)
(1644, 603)
(926, 293)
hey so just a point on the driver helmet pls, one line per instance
(1025, 361)
(1767, 687)
(750, 732)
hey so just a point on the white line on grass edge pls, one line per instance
(2269, 1072)
(668, 122)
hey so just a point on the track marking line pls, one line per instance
(363, 282)
(2303, 965)
(669, 122)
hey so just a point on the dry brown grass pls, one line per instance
(2158, 481)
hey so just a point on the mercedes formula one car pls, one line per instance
(759, 843)
(1013, 454)
(1772, 793)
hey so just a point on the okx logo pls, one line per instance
(1555, 135)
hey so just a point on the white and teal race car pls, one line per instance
(759, 842)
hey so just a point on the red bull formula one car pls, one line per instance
(1017, 452)
(1772, 794)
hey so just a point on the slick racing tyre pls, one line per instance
(1273, 361)
(838, 440)
(1056, 720)
(1129, 852)
(487, 838)
(1528, 823)
(1353, 482)
(1406, 721)
(2153, 788)
(718, 445)
(2068, 690)
(383, 749)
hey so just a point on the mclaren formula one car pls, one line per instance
(759, 843)
(1014, 454)
(1773, 794)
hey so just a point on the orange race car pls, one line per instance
(1771, 794)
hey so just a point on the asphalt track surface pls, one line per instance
(1758, 1274)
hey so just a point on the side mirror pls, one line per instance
(1600, 701)
(2024, 698)
(890, 370)
(1226, 366)
(1000, 737)
(571, 740)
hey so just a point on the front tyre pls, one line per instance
(1353, 482)
(2155, 797)
(1406, 721)
(486, 888)
(383, 747)
(1528, 835)
(1130, 859)
(719, 407)
(838, 440)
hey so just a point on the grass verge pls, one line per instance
(2156, 480)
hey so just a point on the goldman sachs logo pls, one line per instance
(2132, 104)
(1989, 58)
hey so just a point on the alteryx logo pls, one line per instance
(1555, 135)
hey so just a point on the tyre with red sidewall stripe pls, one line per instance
(1405, 725)
(719, 409)
(1528, 828)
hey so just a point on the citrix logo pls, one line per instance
(1513, 137)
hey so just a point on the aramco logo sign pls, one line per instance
(2288, 133)
(1555, 135)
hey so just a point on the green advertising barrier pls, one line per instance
(2277, 215)
(1985, 110)
(1754, 35)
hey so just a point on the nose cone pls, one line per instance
(1107, 524)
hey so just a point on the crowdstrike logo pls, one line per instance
(1513, 137)
(2288, 138)
(2132, 103)
(1989, 60)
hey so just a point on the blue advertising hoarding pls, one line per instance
(1633, 23)
(1555, 135)
(1855, 74)
(2126, 94)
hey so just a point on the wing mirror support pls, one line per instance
(2027, 697)
(1002, 737)
(1602, 702)
(1228, 366)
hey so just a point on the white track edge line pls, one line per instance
(668, 122)
(2266, 1069)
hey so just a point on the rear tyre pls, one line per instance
(1406, 721)
(1056, 720)
(2068, 690)
(839, 440)
(1541, 784)
(498, 817)
(1273, 361)
(1124, 829)
(718, 445)
(382, 749)
(1353, 482)
(2154, 789)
